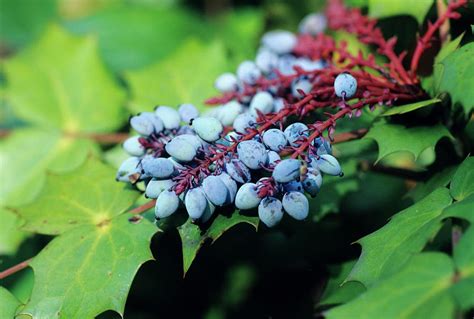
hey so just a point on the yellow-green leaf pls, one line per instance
(89, 269)
(187, 76)
(61, 82)
(410, 107)
(88, 196)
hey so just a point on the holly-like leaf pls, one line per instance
(463, 256)
(89, 269)
(10, 234)
(419, 290)
(337, 291)
(410, 107)
(462, 184)
(60, 82)
(387, 8)
(392, 138)
(133, 35)
(440, 179)
(9, 304)
(448, 48)
(87, 196)
(179, 78)
(27, 154)
(453, 75)
(192, 238)
(389, 248)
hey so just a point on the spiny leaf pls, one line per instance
(60, 82)
(28, 153)
(8, 303)
(393, 138)
(387, 8)
(448, 48)
(419, 290)
(462, 184)
(337, 291)
(10, 234)
(87, 196)
(453, 75)
(179, 78)
(410, 107)
(192, 238)
(89, 269)
(389, 248)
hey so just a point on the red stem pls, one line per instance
(14, 269)
(424, 42)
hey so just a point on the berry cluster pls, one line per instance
(241, 152)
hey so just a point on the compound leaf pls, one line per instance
(387, 249)
(73, 91)
(393, 138)
(453, 75)
(28, 153)
(419, 290)
(192, 238)
(87, 196)
(178, 79)
(462, 184)
(10, 234)
(89, 269)
(9, 304)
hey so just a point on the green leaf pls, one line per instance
(453, 75)
(416, 291)
(440, 179)
(337, 291)
(410, 107)
(463, 256)
(387, 249)
(9, 304)
(462, 184)
(89, 269)
(448, 48)
(192, 237)
(10, 234)
(22, 21)
(29, 153)
(392, 138)
(88, 196)
(179, 78)
(387, 8)
(462, 209)
(240, 32)
(60, 82)
(132, 36)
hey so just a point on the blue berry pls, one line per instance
(274, 139)
(313, 24)
(215, 190)
(328, 164)
(183, 148)
(157, 167)
(133, 146)
(252, 153)
(129, 167)
(266, 60)
(279, 41)
(345, 85)
(296, 205)
(187, 112)
(262, 102)
(166, 204)
(270, 211)
(208, 128)
(243, 122)
(248, 72)
(247, 197)
(155, 187)
(226, 82)
(169, 116)
(195, 202)
(295, 133)
(312, 183)
(238, 171)
(287, 170)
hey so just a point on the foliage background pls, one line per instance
(75, 69)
